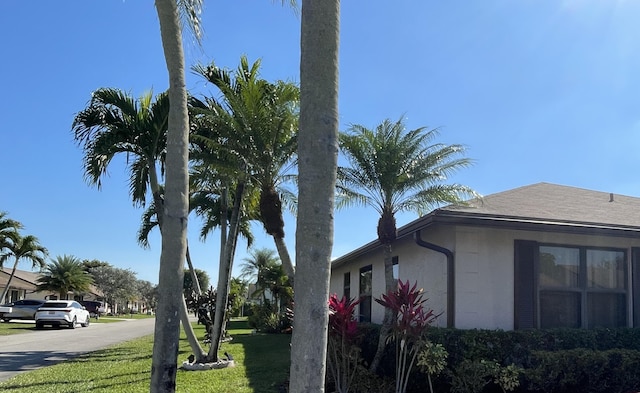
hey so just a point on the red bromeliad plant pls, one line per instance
(342, 355)
(410, 320)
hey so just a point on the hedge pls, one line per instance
(554, 360)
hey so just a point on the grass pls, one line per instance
(18, 327)
(262, 364)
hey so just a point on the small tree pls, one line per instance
(432, 360)
(63, 275)
(117, 285)
(409, 321)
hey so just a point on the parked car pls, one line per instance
(22, 309)
(95, 308)
(62, 312)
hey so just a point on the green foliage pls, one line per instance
(237, 296)
(65, 274)
(584, 371)
(343, 356)
(555, 360)
(267, 319)
(203, 280)
(432, 360)
(411, 319)
(472, 376)
(117, 285)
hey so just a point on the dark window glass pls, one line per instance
(582, 287)
(608, 310)
(346, 289)
(559, 309)
(365, 294)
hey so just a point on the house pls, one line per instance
(538, 256)
(24, 285)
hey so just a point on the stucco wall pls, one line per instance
(484, 271)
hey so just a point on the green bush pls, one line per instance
(584, 371)
(554, 360)
(266, 318)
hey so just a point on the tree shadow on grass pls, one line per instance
(266, 359)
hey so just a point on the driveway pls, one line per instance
(41, 348)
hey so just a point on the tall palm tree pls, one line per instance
(23, 247)
(114, 123)
(176, 204)
(262, 119)
(394, 170)
(317, 161)
(63, 275)
(252, 126)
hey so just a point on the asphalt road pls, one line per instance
(40, 348)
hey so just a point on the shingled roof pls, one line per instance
(552, 202)
(537, 207)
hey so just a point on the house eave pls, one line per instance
(464, 218)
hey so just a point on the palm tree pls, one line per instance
(114, 123)
(8, 232)
(317, 161)
(63, 275)
(23, 247)
(261, 122)
(252, 127)
(254, 266)
(393, 170)
(176, 204)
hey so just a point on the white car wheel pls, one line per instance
(86, 323)
(73, 323)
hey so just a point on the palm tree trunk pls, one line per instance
(388, 315)
(199, 353)
(317, 158)
(6, 289)
(176, 207)
(194, 276)
(283, 253)
(224, 275)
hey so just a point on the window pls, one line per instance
(346, 289)
(569, 286)
(365, 294)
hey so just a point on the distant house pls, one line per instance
(24, 286)
(539, 256)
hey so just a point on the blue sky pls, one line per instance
(538, 90)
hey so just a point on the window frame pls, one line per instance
(582, 286)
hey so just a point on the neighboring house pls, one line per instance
(24, 286)
(538, 256)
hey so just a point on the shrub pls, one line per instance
(343, 356)
(584, 370)
(266, 318)
(411, 319)
(554, 360)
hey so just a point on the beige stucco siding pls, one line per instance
(484, 271)
(485, 275)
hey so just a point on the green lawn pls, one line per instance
(17, 327)
(262, 364)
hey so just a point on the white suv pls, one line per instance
(62, 312)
